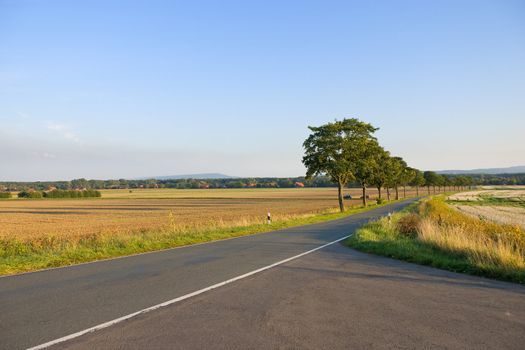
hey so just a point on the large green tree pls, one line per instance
(395, 168)
(418, 181)
(366, 164)
(431, 179)
(335, 149)
(407, 176)
(380, 177)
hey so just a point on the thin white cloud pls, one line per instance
(63, 130)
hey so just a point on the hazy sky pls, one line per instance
(111, 89)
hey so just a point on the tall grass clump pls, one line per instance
(435, 234)
(4, 195)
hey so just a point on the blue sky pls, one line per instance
(112, 89)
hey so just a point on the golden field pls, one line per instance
(42, 233)
(504, 205)
(125, 211)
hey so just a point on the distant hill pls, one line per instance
(191, 176)
(488, 171)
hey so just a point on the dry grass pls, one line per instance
(482, 250)
(486, 244)
(438, 235)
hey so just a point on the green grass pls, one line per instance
(383, 237)
(49, 252)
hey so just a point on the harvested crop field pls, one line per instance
(516, 194)
(124, 211)
(500, 214)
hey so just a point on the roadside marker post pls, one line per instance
(269, 218)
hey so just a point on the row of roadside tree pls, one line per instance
(348, 152)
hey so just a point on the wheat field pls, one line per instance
(125, 211)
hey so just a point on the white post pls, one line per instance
(269, 218)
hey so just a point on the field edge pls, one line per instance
(145, 243)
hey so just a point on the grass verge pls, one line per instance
(53, 251)
(431, 233)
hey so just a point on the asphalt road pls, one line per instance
(38, 307)
(334, 298)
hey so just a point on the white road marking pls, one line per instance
(173, 301)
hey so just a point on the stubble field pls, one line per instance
(502, 205)
(42, 233)
(122, 211)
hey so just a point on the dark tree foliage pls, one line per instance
(72, 194)
(30, 194)
(341, 150)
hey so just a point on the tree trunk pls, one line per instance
(417, 191)
(434, 187)
(404, 191)
(428, 190)
(388, 193)
(397, 193)
(340, 197)
(379, 191)
(364, 196)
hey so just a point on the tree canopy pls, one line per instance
(342, 150)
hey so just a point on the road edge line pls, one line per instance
(175, 300)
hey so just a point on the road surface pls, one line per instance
(332, 298)
(335, 298)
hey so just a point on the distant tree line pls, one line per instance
(318, 181)
(81, 184)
